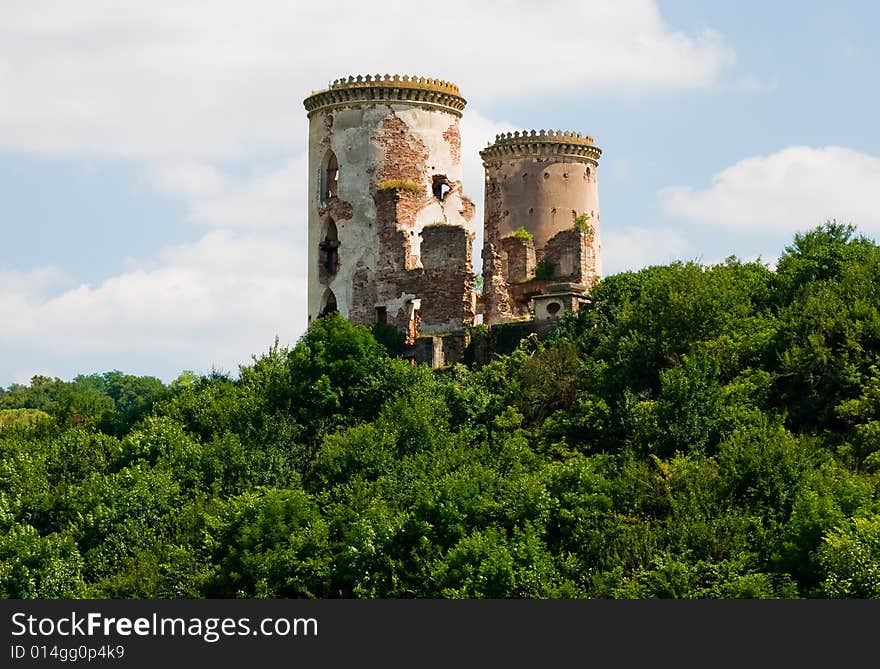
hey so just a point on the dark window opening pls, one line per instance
(381, 314)
(553, 308)
(328, 256)
(440, 186)
(329, 304)
(329, 178)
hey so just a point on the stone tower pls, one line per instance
(390, 231)
(541, 237)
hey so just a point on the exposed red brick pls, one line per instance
(467, 208)
(443, 283)
(338, 210)
(363, 295)
(405, 153)
(520, 258)
(573, 256)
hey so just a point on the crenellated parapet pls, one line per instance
(549, 143)
(365, 89)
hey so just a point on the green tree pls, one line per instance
(850, 559)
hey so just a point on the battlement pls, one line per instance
(360, 89)
(550, 143)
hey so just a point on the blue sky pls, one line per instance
(152, 169)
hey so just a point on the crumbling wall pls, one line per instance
(447, 283)
(496, 298)
(362, 294)
(540, 183)
(396, 211)
(440, 286)
(424, 273)
(520, 258)
(404, 153)
(573, 255)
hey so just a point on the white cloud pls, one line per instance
(637, 247)
(34, 282)
(271, 199)
(185, 79)
(211, 303)
(794, 189)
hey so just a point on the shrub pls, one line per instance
(544, 269)
(582, 223)
(522, 235)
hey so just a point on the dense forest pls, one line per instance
(697, 431)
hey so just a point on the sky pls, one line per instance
(153, 167)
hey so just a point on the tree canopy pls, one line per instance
(695, 431)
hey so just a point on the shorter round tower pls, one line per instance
(541, 233)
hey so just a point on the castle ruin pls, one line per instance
(541, 231)
(391, 230)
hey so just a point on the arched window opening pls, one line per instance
(329, 178)
(329, 302)
(328, 252)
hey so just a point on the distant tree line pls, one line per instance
(693, 432)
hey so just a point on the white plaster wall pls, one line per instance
(349, 139)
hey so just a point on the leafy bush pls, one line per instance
(522, 235)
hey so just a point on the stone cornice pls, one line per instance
(361, 89)
(542, 143)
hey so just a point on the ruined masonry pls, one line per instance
(391, 231)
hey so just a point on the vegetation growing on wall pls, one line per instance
(401, 184)
(582, 223)
(522, 235)
(692, 432)
(544, 269)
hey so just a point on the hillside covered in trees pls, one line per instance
(696, 432)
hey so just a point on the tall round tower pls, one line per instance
(390, 231)
(541, 220)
